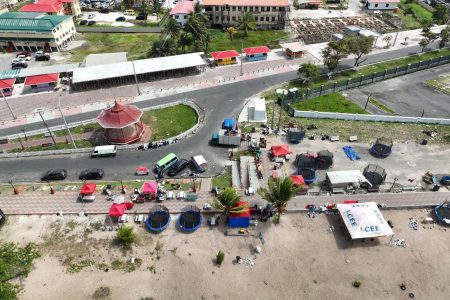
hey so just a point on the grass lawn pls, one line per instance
(223, 180)
(136, 44)
(169, 121)
(409, 21)
(441, 83)
(79, 129)
(367, 131)
(379, 67)
(59, 146)
(420, 13)
(330, 103)
(221, 41)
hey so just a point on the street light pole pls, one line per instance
(242, 59)
(65, 123)
(24, 134)
(7, 104)
(48, 129)
(135, 78)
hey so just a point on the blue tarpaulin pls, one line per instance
(229, 124)
(352, 154)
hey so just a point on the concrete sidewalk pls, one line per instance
(45, 203)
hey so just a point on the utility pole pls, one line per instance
(135, 78)
(395, 39)
(242, 59)
(423, 112)
(367, 102)
(273, 116)
(39, 111)
(65, 123)
(7, 104)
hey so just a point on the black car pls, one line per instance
(92, 173)
(43, 57)
(2, 217)
(179, 166)
(120, 19)
(19, 65)
(83, 22)
(54, 174)
(103, 11)
(91, 23)
(142, 16)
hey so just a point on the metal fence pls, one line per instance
(367, 79)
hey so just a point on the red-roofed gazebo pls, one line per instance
(256, 53)
(44, 82)
(226, 57)
(7, 86)
(122, 124)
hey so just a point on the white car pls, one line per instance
(17, 60)
(41, 53)
(24, 57)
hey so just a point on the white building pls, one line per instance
(382, 4)
(182, 11)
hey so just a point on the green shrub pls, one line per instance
(126, 235)
(220, 257)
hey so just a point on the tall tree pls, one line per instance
(247, 22)
(359, 45)
(278, 194)
(156, 8)
(231, 31)
(197, 26)
(308, 71)
(334, 52)
(428, 37)
(444, 38)
(171, 28)
(185, 41)
(440, 14)
(227, 200)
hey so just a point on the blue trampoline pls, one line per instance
(190, 218)
(309, 174)
(442, 212)
(158, 218)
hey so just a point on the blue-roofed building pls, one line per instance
(35, 31)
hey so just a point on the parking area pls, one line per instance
(408, 161)
(55, 58)
(110, 18)
(407, 95)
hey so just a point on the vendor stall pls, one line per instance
(344, 179)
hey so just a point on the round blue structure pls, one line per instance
(442, 212)
(382, 148)
(309, 174)
(190, 218)
(158, 218)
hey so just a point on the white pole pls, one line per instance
(7, 104)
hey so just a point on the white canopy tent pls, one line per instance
(364, 220)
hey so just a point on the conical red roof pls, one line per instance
(119, 116)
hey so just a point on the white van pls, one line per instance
(200, 163)
(103, 151)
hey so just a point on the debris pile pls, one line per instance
(413, 224)
(400, 243)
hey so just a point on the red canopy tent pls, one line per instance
(280, 150)
(117, 210)
(7, 85)
(298, 180)
(88, 188)
(149, 188)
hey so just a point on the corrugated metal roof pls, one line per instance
(143, 66)
(9, 74)
(13, 21)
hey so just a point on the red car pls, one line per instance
(26, 53)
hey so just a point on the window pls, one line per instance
(387, 5)
(251, 8)
(186, 17)
(233, 18)
(376, 5)
(233, 8)
(176, 17)
(239, 8)
(54, 30)
(263, 8)
(268, 8)
(273, 19)
(267, 19)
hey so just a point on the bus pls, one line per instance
(166, 162)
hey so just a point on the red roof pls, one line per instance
(119, 116)
(117, 210)
(383, 1)
(45, 8)
(40, 79)
(246, 213)
(298, 180)
(224, 54)
(184, 7)
(280, 150)
(256, 50)
(88, 188)
(7, 83)
(246, 3)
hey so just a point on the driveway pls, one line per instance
(407, 95)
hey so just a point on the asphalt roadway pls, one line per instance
(218, 102)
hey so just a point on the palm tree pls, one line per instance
(231, 31)
(226, 201)
(198, 28)
(247, 22)
(172, 28)
(279, 194)
(162, 47)
(185, 41)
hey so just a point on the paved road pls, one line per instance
(218, 102)
(407, 95)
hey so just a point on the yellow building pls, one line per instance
(33, 31)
